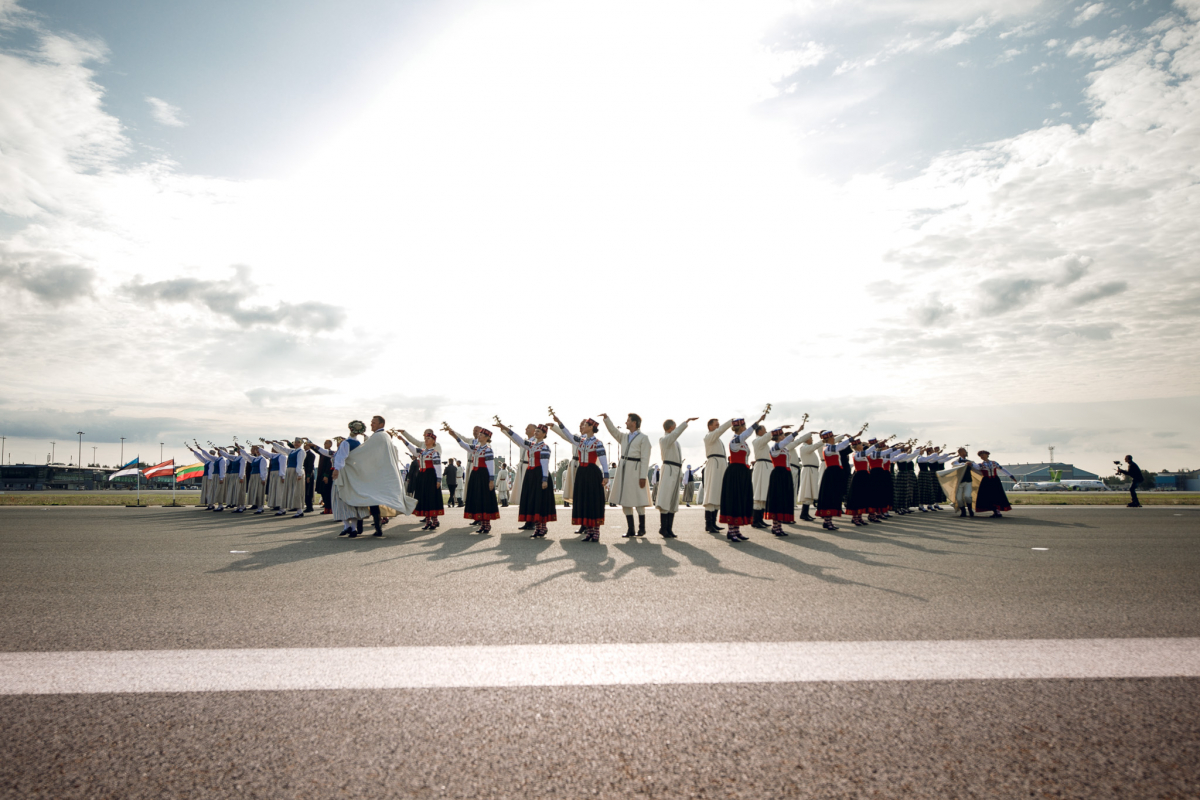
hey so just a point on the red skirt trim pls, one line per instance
(588, 522)
(537, 517)
(829, 512)
(780, 517)
(481, 515)
(439, 512)
(739, 521)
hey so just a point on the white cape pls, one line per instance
(371, 476)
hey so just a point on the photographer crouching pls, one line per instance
(1135, 475)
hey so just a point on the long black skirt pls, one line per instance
(781, 496)
(737, 495)
(833, 489)
(925, 482)
(587, 500)
(939, 496)
(881, 490)
(904, 486)
(481, 501)
(991, 496)
(537, 504)
(860, 493)
(428, 494)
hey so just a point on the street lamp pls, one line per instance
(79, 463)
(160, 447)
(94, 461)
(52, 451)
(122, 450)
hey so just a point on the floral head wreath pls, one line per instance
(357, 427)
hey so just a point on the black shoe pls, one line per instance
(345, 531)
(996, 515)
(758, 521)
(962, 512)
(566, 504)
(629, 535)
(528, 526)
(971, 511)
(378, 532)
(352, 535)
(641, 531)
(669, 535)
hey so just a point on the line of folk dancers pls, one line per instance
(762, 477)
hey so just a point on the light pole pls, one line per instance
(79, 463)
(122, 463)
(94, 457)
(160, 447)
(3, 439)
(52, 451)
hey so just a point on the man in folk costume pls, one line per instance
(760, 472)
(367, 481)
(535, 504)
(655, 475)
(810, 475)
(630, 484)
(324, 485)
(310, 476)
(714, 472)
(958, 482)
(833, 477)
(591, 477)
(450, 478)
(462, 482)
(481, 505)
(503, 485)
(667, 499)
(737, 486)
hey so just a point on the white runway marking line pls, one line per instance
(141, 671)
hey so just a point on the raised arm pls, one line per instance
(679, 429)
(712, 436)
(613, 429)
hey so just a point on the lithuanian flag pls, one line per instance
(190, 471)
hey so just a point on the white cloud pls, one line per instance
(166, 114)
(1086, 12)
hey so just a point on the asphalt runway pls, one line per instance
(79, 582)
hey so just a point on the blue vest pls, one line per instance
(354, 443)
(274, 464)
(293, 459)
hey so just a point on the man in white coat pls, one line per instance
(714, 470)
(667, 501)
(630, 484)
(502, 477)
(761, 474)
(810, 475)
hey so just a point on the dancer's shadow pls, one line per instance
(646, 555)
(448, 543)
(306, 549)
(706, 561)
(518, 553)
(591, 562)
(752, 548)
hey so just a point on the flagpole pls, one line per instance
(174, 480)
(139, 483)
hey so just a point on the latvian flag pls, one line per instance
(190, 471)
(160, 470)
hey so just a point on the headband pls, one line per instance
(595, 425)
(738, 421)
(543, 428)
(777, 430)
(431, 435)
(482, 431)
(872, 441)
(823, 434)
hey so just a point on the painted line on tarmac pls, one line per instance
(141, 671)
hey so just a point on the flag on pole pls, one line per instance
(129, 469)
(132, 463)
(190, 471)
(158, 470)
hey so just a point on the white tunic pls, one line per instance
(672, 470)
(810, 471)
(714, 467)
(625, 487)
(761, 475)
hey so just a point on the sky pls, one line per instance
(965, 222)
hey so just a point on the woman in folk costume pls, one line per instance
(591, 477)
(427, 483)
(781, 493)
(833, 479)
(881, 494)
(760, 473)
(667, 498)
(568, 488)
(925, 478)
(518, 483)
(536, 503)
(905, 484)
(350, 516)
(737, 487)
(481, 504)
(991, 496)
(860, 486)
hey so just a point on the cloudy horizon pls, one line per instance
(962, 221)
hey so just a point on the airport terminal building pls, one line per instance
(1033, 473)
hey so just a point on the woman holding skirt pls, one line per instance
(536, 502)
(991, 496)
(591, 477)
(425, 477)
(481, 502)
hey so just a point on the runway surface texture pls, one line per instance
(181, 653)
